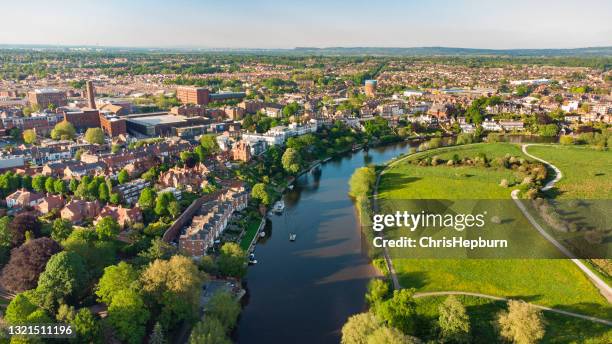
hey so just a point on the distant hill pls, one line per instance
(445, 51)
(347, 51)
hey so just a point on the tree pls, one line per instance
(399, 311)
(147, 198)
(225, 307)
(378, 290)
(291, 161)
(521, 323)
(209, 143)
(232, 260)
(201, 153)
(388, 335)
(29, 136)
(38, 183)
(94, 136)
(362, 182)
(59, 187)
(190, 159)
(174, 209)
(454, 321)
(21, 224)
(260, 192)
(103, 192)
(548, 130)
(159, 249)
(114, 198)
(5, 232)
(123, 177)
(358, 328)
(128, 314)
(63, 130)
(23, 310)
(61, 229)
(27, 262)
(65, 276)
(73, 185)
(50, 185)
(107, 228)
(174, 285)
(115, 279)
(26, 182)
(97, 254)
(209, 331)
(86, 326)
(163, 202)
(157, 336)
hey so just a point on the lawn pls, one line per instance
(482, 312)
(557, 283)
(587, 173)
(251, 231)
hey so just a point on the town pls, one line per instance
(134, 184)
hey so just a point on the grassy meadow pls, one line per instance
(550, 282)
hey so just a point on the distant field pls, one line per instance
(555, 283)
(587, 173)
(482, 312)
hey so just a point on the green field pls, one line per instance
(587, 173)
(482, 312)
(251, 231)
(555, 283)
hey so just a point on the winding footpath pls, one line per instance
(603, 287)
(497, 298)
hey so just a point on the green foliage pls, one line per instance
(260, 192)
(157, 336)
(209, 331)
(162, 203)
(64, 278)
(94, 136)
(115, 279)
(291, 161)
(362, 182)
(358, 328)
(453, 321)
(224, 307)
(399, 311)
(97, 254)
(61, 229)
(548, 130)
(521, 324)
(107, 228)
(128, 315)
(86, 326)
(23, 309)
(232, 260)
(123, 177)
(63, 130)
(29, 136)
(378, 290)
(209, 143)
(378, 127)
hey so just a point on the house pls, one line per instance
(491, 126)
(81, 170)
(78, 210)
(242, 151)
(123, 216)
(512, 125)
(23, 198)
(49, 203)
(184, 177)
(130, 191)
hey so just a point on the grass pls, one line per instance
(556, 283)
(251, 231)
(482, 312)
(587, 173)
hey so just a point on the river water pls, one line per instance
(303, 291)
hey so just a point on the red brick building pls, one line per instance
(193, 95)
(46, 96)
(83, 119)
(113, 125)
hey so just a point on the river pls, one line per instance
(303, 291)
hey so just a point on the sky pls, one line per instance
(495, 24)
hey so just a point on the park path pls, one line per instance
(603, 287)
(497, 298)
(388, 261)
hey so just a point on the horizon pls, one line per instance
(273, 24)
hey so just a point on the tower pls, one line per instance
(91, 97)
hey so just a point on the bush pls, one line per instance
(566, 140)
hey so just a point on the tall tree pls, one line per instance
(232, 260)
(208, 331)
(291, 161)
(64, 278)
(147, 198)
(27, 262)
(358, 328)
(115, 279)
(225, 307)
(454, 321)
(21, 224)
(107, 228)
(521, 323)
(128, 314)
(94, 136)
(63, 130)
(29, 136)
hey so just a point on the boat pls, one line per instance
(278, 207)
(262, 234)
(291, 187)
(252, 259)
(292, 236)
